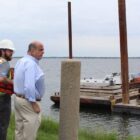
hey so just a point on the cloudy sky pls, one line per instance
(94, 23)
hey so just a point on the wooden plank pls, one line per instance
(115, 87)
(85, 100)
(131, 108)
(106, 91)
(102, 91)
(133, 95)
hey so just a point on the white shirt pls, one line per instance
(29, 79)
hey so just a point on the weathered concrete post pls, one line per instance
(69, 100)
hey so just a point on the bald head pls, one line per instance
(36, 49)
(34, 45)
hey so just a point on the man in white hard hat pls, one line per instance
(6, 52)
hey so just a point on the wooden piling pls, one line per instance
(70, 30)
(123, 51)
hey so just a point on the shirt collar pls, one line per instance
(33, 58)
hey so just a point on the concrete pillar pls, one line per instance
(69, 100)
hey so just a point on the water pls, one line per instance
(90, 118)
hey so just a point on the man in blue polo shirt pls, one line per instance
(29, 88)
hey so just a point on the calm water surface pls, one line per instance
(90, 118)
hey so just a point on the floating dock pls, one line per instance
(106, 96)
(132, 108)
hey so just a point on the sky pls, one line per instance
(95, 28)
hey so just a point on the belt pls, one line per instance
(22, 96)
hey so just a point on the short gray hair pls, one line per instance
(31, 46)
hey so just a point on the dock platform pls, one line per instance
(132, 108)
(101, 95)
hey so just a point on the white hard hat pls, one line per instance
(7, 44)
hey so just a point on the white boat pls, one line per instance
(112, 79)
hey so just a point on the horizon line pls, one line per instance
(81, 57)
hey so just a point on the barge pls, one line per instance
(101, 95)
(105, 93)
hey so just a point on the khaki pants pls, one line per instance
(27, 121)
